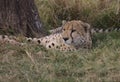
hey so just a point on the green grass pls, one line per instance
(98, 13)
(33, 63)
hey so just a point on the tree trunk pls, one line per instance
(20, 17)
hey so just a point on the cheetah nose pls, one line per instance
(65, 39)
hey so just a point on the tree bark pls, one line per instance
(20, 17)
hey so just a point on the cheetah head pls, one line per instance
(75, 32)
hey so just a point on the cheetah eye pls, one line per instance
(73, 30)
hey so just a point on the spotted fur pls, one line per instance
(9, 39)
(72, 36)
(81, 38)
(53, 41)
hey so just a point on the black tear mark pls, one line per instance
(53, 44)
(73, 30)
(39, 41)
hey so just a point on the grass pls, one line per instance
(98, 13)
(33, 63)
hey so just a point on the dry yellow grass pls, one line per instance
(33, 63)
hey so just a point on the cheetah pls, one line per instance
(73, 35)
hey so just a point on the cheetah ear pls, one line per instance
(63, 22)
(59, 29)
(86, 26)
